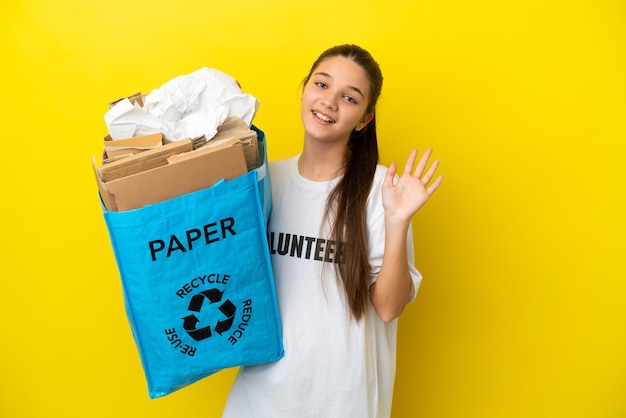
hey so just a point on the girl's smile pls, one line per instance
(323, 117)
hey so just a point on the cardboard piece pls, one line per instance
(134, 98)
(146, 160)
(134, 144)
(235, 127)
(146, 178)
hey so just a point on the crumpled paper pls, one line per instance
(185, 107)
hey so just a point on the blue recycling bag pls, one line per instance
(197, 280)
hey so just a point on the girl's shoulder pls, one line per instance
(282, 166)
(282, 170)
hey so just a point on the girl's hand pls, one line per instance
(404, 198)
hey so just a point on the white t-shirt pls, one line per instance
(334, 367)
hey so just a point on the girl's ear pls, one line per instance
(367, 119)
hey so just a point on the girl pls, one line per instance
(342, 253)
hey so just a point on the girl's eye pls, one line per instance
(320, 84)
(350, 99)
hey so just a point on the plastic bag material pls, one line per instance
(197, 280)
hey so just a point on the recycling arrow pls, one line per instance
(213, 295)
(227, 308)
(189, 325)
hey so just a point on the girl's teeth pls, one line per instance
(324, 118)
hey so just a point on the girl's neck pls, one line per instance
(321, 163)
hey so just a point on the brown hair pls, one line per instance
(347, 201)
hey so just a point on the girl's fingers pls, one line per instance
(431, 172)
(391, 172)
(434, 186)
(419, 170)
(410, 161)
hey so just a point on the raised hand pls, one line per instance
(404, 197)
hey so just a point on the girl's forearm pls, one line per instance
(392, 289)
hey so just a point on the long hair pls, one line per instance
(346, 204)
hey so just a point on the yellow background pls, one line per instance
(522, 312)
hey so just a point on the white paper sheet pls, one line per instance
(184, 107)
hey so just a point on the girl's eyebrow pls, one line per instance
(323, 74)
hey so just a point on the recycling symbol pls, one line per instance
(197, 302)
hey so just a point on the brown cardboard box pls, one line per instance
(153, 176)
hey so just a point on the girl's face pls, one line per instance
(335, 100)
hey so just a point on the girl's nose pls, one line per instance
(330, 101)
